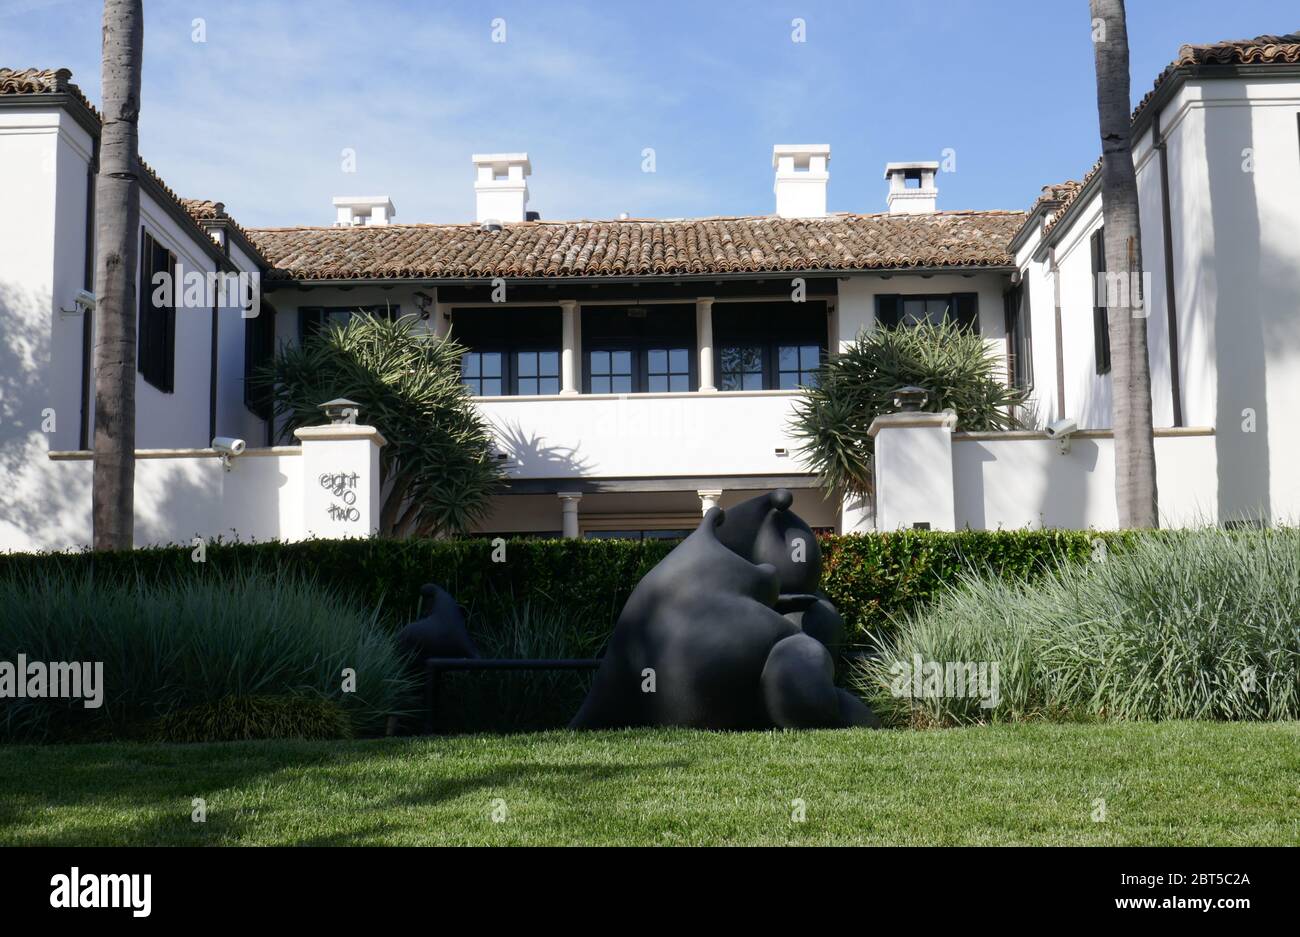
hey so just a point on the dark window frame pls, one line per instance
(508, 343)
(259, 350)
(639, 342)
(1100, 315)
(312, 318)
(758, 331)
(156, 325)
(504, 376)
(1020, 336)
(534, 348)
(966, 305)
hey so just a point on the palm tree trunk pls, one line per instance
(117, 222)
(1135, 458)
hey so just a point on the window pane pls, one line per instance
(599, 385)
(600, 362)
(623, 385)
(810, 379)
(679, 361)
(787, 357)
(808, 355)
(621, 362)
(658, 383)
(789, 380)
(492, 364)
(469, 364)
(679, 383)
(753, 381)
(548, 363)
(491, 387)
(732, 381)
(527, 364)
(528, 386)
(658, 361)
(937, 310)
(913, 311)
(550, 385)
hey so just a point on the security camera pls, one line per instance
(83, 302)
(228, 447)
(1061, 431)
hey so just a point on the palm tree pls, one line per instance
(1135, 458)
(117, 220)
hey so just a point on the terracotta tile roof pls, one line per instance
(1262, 50)
(1071, 197)
(755, 244)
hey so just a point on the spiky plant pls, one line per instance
(437, 471)
(956, 366)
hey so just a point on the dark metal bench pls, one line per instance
(434, 667)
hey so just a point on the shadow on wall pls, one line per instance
(42, 504)
(1236, 258)
(532, 458)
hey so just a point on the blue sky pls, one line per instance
(259, 114)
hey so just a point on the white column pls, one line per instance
(569, 513)
(340, 480)
(441, 324)
(571, 354)
(913, 469)
(709, 498)
(704, 341)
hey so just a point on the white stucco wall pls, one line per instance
(1014, 480)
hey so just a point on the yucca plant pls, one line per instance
(437, 470)
(954, 364)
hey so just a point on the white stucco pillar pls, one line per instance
(340, 480)
(441, 316)
(913, 470)
(709, 498)
(704, 341)
(571, 352)
(569, 513)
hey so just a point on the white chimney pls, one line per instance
(911, 188)
(501, 186)
(363, 210)
(801, 179)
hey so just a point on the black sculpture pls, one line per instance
(728, 632)
(440, 631)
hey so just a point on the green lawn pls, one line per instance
(1175, 783)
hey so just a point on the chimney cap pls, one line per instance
(364, 201)
(799, 149)
(891, 168)
(503, 159)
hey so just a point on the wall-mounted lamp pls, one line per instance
(910, 399)
(341, 411)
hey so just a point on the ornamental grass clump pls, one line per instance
(1199, 624)
(199, 647)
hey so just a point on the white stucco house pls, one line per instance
(637, 370)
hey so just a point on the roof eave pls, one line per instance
(276, 283)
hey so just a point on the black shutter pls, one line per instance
(259, 348)
(1100, 316)
(967, 308)
(144, 321)
(887, 311)
(167, 328)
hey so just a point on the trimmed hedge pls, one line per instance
(871, 578)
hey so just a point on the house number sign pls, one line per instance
(343, 486)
